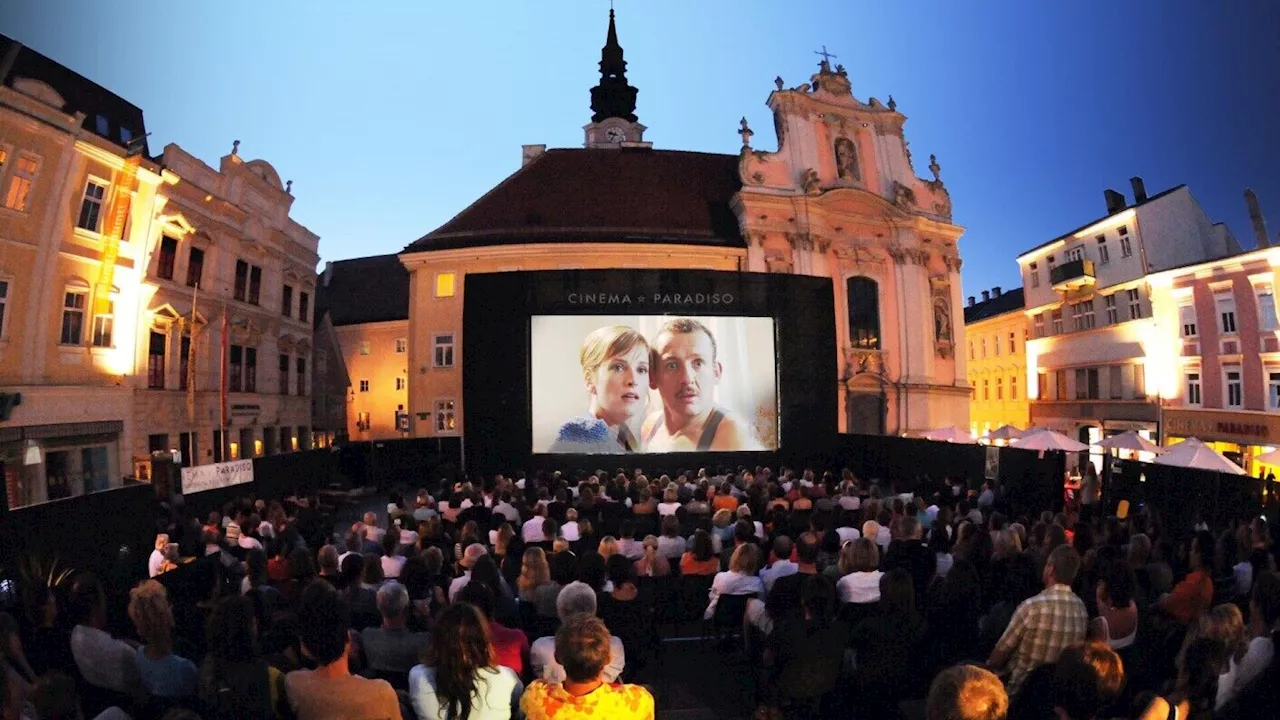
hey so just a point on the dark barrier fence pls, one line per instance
(413, 462)
(276, 476)
(1183, 496)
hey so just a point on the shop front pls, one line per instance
(52, 462)
(1239, 435)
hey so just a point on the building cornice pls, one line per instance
(422, 258)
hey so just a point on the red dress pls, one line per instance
(511, 646)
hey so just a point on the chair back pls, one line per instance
(695, 591)
(730, 610)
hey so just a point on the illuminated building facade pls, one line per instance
(1094, 360)
(995, 330)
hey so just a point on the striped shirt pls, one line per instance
(1040, 629)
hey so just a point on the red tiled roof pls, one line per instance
(609, 195)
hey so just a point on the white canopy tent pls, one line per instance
(1046, 439)
(1193, 453)
(950, 434)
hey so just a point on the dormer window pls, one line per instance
(103, 125)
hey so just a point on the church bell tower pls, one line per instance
(613, 101)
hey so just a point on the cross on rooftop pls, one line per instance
(826, 56)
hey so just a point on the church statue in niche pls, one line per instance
(847, 160)
(941, 320)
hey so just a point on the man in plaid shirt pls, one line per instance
(1043, 625)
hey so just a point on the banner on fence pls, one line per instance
(218, 475)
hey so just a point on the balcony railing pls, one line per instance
(1072, 275)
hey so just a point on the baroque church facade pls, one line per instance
(838, 198)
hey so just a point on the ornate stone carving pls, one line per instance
(847, 160)
(893, 106)
(903, 196)
(940, 290)
(861, 361)
(745, 131)
(943, 206)
(823, 244)
(778, 264)
(780, 127)
(778, 82)
(898, 253)
(810, 183)
(952, 262)
(757, 177)
(935, 168)
(799, 240)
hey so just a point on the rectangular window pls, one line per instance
(971, 351)
(1039, 325)
(1187, 316)
(1193, 388)
(1013, 386)
(1135, 303)
(1235, 387)
(986, 389)
(1056, 314)
(1013, 343)
(999, 388)
(103, 125)
(1115, 382)
(73, 304)
(184, 362)
(364, 347)
(1104, 255)
(235, 369)
(445, 284)
(1126, 247)
(1226, 314)
(242, 280)
(402, 345)
(24, 174)
(444, 350)
(984, 347)
(102, 325)
(1139, 381)
(401, 383)
(284, 374)
(995, 342)
(91, 205)
(4, 302)
(300, 365)
(1034, 275)
(168, 257)
(364, 386)
(195, 266)
(1267, 308)
(1273, 390)
(255, 284)
(217, 446)
(1060, 384)
(1082, 315)
(1087, 384)
(155, 360)
(286, 301)
(1075, 253)
(304, 306)
(251, 370)
(446, 420)
(1113, 313)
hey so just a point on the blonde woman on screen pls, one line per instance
(615, 366)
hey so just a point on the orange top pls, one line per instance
(1190, 598)
(725, 502)
(690, 566)
(546, 701)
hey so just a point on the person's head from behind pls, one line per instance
(373, 574)
(910, 528)
(323, 624)
(576, 598)
(1062, 566)
(328, 560)
(534, 569)
(807, 548)
(859, 555)
(352, 570)
(615, 366)
(563, 567)
(583, 647)
(480, 595)
(232, 630)
(781, 549)
(621, 571)
(150, 612)
(670, 526)
(897, 593)
(818, 598)
(1087, 678)
(1116, 584)
(1203, 661)
(593, 570)
(744, 532)
(86, 602)
(1264, 601)
(966, 692)
(392, 600)
(459, 647)
(745, 559)
(703, 549)
(685, 367)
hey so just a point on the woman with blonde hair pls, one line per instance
(608, 547)
(1224, 623)
(740, 579)
(502, 539)
(860, 572)
(670, 501)
(162, 673)
(157, 555)
(652, 563)
(615, 367)
(535, 585)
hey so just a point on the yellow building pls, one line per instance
(996, 332)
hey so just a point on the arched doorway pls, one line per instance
(865, 412)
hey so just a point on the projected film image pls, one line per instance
(614, 384)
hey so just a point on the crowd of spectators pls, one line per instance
(543, 596)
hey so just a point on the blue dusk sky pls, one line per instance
(391, 117)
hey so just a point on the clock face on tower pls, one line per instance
(615, 134)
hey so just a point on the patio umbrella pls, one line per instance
(1005, 432)
(1046, 439)
(1271, 458)
(1130, 440)
(1192, 453)
(950, 434)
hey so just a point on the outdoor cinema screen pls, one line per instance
(615, 384)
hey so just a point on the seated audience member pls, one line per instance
(392, 561)
(156, 561)
(575, 599)
(511, 646)
(534, 585)
(1117, 620)
(887, 647)
(806, 650)
(1020, 581)
(161, 673)
(234, 682)
(966, 692)
(652, 563)
(372, 533)
(570, 529)
(1195, 688)
(1192, 597)
(671, 546)
(1045, 624)
(474, 552)
(859, 574)
(103, 661)
(48, 642)
(780, 564)
(1264, 628)
(1086, 681)
(327, 559)
(739, 579)
(701, 558)
(392, 647)
(331, 692)
(584, 648)
(911, 554)
(460, 676)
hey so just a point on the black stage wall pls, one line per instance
(496, 363)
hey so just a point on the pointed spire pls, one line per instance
(613, 97)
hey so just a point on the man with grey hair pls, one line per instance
(576, 598)
(392, 648)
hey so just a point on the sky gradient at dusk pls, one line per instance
(391, 117)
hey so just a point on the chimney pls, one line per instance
(1139, 189)
(328, 273)
(986, 295)
(970, 301)
(529, 153)
(6, 63)
(1255, 217)
(1115, 201)
(995, 291)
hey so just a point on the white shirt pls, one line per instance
(542, 660)
(849, 502)
(391, 566)
(859, 587)
(104, 661)
(249, 543)
(408, 537)
(671, 547)
(508, 511)
(458, 583)
(570, 531)
(531, 531)
(847, 534)
(933, 512)
(497, 694)
(731, 583)
(373, 533)
(665, 509)
(154, 563)
(781, 568)
(343, 556)
(631, 548)
(1255, 660)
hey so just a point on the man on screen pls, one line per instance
(685, 371)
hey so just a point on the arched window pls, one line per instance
(864, 312)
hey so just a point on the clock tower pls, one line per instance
(613, 101)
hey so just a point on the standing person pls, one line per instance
(162, 673)
(460, 678)
(1089, 493)
(1191, 598)
(615, 365)
(686, 371)
(582, 647)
